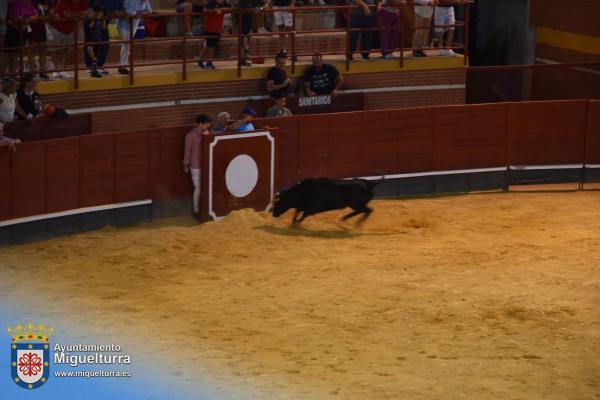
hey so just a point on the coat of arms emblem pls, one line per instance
(30, 355)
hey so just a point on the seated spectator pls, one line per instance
(321, 79)
(222, 123)
(278, 83)
(213, 25)
(29, 101)
(245, 124)
(96, 30)
(8, 101)
(279, 109)
(444, 22)
(6, 141)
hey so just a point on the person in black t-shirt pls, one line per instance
(321, 79)
(29, 101)
(278, 83)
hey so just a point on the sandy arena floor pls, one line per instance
(490, 296)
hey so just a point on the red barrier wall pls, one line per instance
(592, 143)
(57, 175)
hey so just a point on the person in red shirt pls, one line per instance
(213, 25)
(61, 32)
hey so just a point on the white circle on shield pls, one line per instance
(241, 175)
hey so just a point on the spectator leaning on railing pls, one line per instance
(278, 82)
(19, 14)
(213, 25)
(95, 30)
(388, 18)
(112, 9)
(423, 14)
(62, 32)
(362, 17)
(137, 9)
(244, 124)
(37, 36)
(321, 79)
(444, 15)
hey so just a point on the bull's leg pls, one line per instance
(295, 217)
(352, 214)
(304, 215)
(366, 213)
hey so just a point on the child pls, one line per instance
(192, 158)
(213, 24)
(95, 30)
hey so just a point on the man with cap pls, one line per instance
(245, 124)
(278, 82)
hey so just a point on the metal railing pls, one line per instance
(293, 35)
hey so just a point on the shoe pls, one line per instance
(450, 53)
(123, 71)
(58, 75)
(246, 63)
(365, 57)
(201, 64)
(67, 75)
(104, 72)
(262, 30)
(419, 53)
(388, 57)
(95, 74)
(44, 77)
(189, 33)
(210, 66)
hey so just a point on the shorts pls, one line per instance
(38, 32)
(213, 39)
(424, 11)
(12, 40)
(58, 38)
(180, 7)
(247, 20)
(444, 16)
(283, 18)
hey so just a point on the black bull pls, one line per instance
(316, 195)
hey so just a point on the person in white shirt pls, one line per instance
(423, 14)
(8, 101)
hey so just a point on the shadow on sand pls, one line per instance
(297, 230)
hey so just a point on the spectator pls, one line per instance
(95, 30)
(62, 33)
(6, 141)
(444, 15)
(3, 13)
(8, 101)
(113, 9)
(137, 9)
(423, 15)
(192, 157)
(28, 100)
(388, 27)
(185, 8)
(222, 123)
(279, 109)
(213, 25)
(248, 8)
(278, 82)
(283, 19)
(19, 13)
(321, 79)
(362, 17)
(245, 124)
(37, 36)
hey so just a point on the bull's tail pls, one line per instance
(373, 183)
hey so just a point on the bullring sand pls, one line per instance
(489, 296)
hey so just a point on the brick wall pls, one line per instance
(576, 16)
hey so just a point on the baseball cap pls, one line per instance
(249, 111)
